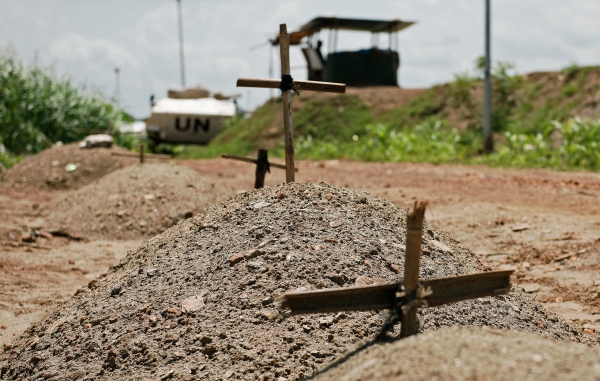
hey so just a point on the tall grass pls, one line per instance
(38, 109)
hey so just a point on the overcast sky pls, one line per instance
(87, 39)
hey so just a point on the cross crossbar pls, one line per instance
(407, 295)
(297, 85)
(368, 298)
(262, 166)
(253, 161)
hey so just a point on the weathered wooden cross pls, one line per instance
(142, 155)
(287, 85)
(406, 296)
(262, 166)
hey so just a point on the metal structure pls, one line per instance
(365, 67)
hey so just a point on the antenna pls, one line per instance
(181, 57)
(488, 143)
(117, 95)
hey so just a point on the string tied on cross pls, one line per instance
(287, 83)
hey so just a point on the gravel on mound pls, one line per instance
(136, 201)
(46, 170)
(198, 300)
(461, 353)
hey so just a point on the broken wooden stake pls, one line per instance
(262, 166)
(141, 154)
(407, 295)
(287, 85)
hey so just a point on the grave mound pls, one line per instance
(198, 301)
(48, 169)
(461, 353)
(136, 201)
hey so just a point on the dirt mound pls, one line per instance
(471, 354)
(137, 201)
(48, 169)
(198, 300)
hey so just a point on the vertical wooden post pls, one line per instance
(284, 47)
(141, 154)
(414, 231)
(262, 166)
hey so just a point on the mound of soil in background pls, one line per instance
(137, 201)
(471, 354)
(198, 300)
(46, 170)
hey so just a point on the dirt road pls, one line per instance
(544, 224)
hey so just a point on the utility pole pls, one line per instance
(181, 59)
(488, 143)
(117, 95)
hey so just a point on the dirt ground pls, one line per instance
(200, 301)
(544, 224)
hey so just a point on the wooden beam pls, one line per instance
(253, 161)
(262, 165)
(444, 291)
(414, 232)
(328, 87)
(284, 48)
(137, 155)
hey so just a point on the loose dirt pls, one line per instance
(34, 282)
(544, 224)
(471, 354)
(134, 202)
(48, 169)
(198, 300)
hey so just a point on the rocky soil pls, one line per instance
(198, 300)
(137, 201)
(48, 169)
(470, 354)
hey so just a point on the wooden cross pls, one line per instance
(287, 85)
(262, 166)
(406, 296)
(142, 155)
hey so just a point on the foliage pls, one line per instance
(561, 146)
(432, 141)
(240, 135)
(442, 124)
(573, 144)
(132, 141)
(37, 109)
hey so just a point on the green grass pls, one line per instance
(435, 141)
(528, 118)
(240, 136)
(431, 140)
(38, 109)
(326, 119)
